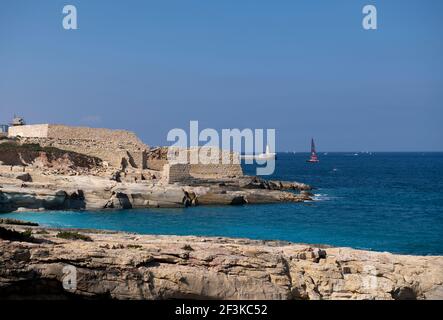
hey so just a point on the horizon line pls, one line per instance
(365, 152)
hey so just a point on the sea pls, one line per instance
(374, 201)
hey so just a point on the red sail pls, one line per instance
(314, 157)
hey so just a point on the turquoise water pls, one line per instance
(384, 201)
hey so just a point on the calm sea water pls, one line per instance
(384, 201)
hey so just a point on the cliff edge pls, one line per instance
(130, 266)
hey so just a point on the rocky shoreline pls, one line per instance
(35, 177)
(111, 170)
(61, 192)
(116, 265)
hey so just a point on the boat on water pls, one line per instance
(268, 155)
(314, 157)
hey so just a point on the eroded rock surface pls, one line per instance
(131, 266)
(58, 192)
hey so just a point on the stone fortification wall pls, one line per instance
(212, 167)
(119, 147)
(29, 131)
(123, 138)
(108, 152)
(176, 173)
(215, 171)
(116, 147)
(189, 172)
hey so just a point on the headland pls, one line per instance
(57, 167)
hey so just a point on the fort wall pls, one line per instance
(29, 131)
(121, 138)
(212, 168)
(116, 147)
(188, 172)
(120, 148)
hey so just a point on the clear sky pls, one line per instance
(305, 68)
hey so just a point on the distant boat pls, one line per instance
(314, 158)
(268, 155)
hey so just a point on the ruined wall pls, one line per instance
(208, 171)
(119, 146)
(157, 165)
(112, 146)
(188, 172)
(185, 173)
(213, 168)
(176, 173)
(106, 151)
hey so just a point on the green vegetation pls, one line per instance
(13, 235)
(42, 232)
(187, 247)
(69, 235)
(134, 246)
(18, 222)
(27, 233)
(33, 149)
(13, 146)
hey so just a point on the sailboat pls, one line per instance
(268, 155)
(314, 158)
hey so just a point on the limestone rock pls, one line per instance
(131, 266)
(89, 192)
(26, 177)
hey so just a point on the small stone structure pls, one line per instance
(198, 163)
(212, 163)
(18, 121)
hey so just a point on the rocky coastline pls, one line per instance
(36, 177)
(115, 265)
(96, 193)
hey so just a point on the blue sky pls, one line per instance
(305, 68)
